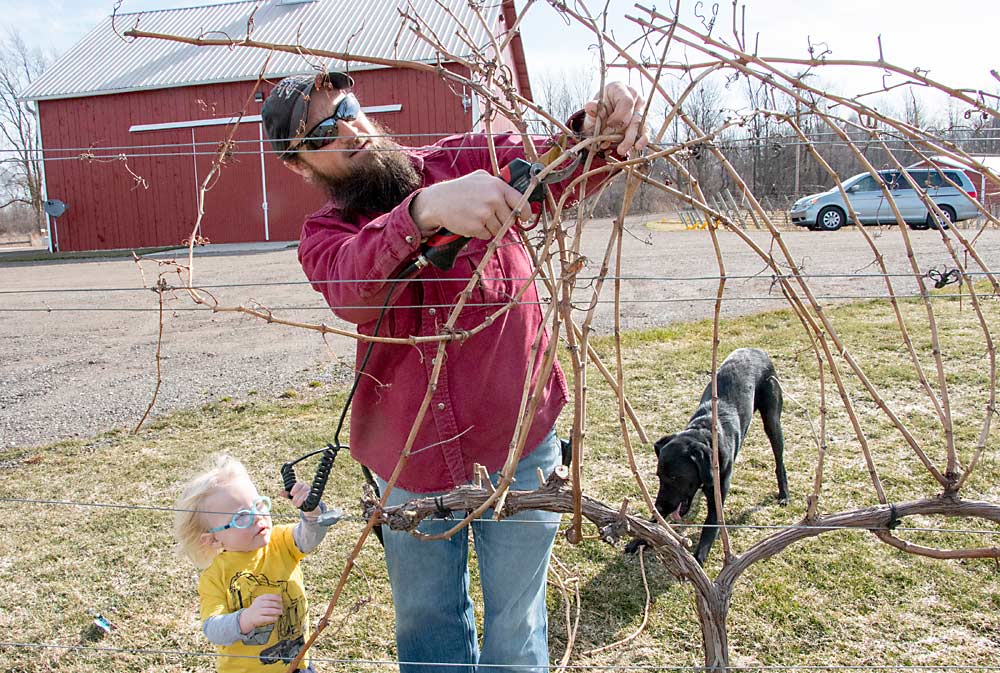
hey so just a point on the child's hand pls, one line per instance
(265, 609)
(299, 494)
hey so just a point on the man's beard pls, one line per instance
(377, 185)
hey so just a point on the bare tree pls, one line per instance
(20, 161)
(563, 92)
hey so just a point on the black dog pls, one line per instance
(746, 383)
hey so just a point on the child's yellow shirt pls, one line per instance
(235, 579)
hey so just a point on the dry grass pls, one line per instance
(671, 221)
(841, 599)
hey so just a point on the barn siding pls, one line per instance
(109, 208)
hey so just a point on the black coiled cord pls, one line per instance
(944, 277)
(330, 452)
(319, 480)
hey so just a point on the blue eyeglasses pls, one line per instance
(244, 518)
(325, 132)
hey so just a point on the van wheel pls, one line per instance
(830, 218)
(949, 215)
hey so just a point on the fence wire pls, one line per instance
(360, 519)
(764, 144)
(580, 279)
(929, 668)
(763, 140)
(326, 307)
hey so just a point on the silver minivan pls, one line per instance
(826, 211)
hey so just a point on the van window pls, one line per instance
(922, 179)
(954, 176)
(934, 179)
(866, 184)
(895, 180)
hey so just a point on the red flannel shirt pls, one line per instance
(474, 408)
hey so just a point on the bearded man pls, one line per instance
(385, 202)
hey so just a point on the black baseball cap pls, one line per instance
(287, 107)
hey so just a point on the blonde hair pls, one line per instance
(189, 523)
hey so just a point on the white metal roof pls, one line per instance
(989, 161)
(104, 63)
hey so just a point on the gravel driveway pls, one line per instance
(85, 362)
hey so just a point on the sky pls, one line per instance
(955, 40)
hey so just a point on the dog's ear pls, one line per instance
(704, 465)
(661, 442)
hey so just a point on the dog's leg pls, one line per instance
(770, 413)
(636, 543)
(711, 529)
(709, 532)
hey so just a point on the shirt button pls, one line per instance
(440, 406)
(409, 239)
(432, 311)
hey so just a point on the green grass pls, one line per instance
(841, 599)
(46, 256)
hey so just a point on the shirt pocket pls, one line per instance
(496, 287)
(500, 276)
(401, 318)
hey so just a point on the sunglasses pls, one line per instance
(325, 132)
(244, 518)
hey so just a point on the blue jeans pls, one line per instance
(435, 621)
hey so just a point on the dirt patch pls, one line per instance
(82, 359)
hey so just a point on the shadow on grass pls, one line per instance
(768, 502)
(618, 585)
(91, 634)
(619, 582)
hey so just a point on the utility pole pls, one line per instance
(798, 147)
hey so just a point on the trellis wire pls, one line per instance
(667, 300)
(118, 156)
(83, 153)
(752, 276)
(74, 503)
(589, 667)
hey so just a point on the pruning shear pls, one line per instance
(443, 247)
(519, 173)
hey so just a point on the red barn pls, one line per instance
(130, 128)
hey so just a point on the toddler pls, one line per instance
(253, 603)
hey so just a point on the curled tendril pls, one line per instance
(709, 24)
(127, 39)
(813, 48)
